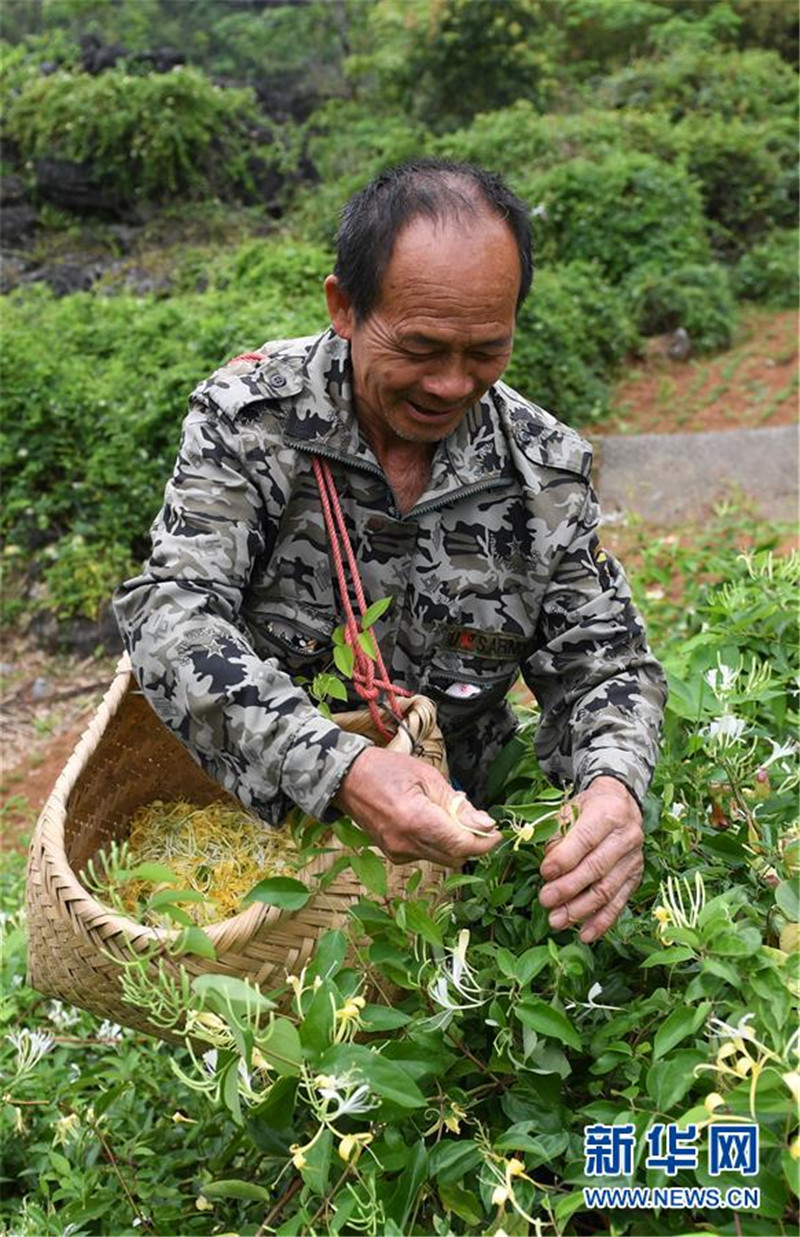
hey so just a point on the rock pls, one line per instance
(97, 56)
(79, 635)
(8, 667)
(66, 277)
(41, 689)
(12, 189)
(12, 271)
(16, 221)
(74, 186)
(680, 346)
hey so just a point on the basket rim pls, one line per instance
(48, 839)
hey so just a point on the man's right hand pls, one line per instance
(404, 805)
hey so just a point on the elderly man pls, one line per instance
(466, 504)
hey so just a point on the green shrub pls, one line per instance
(572, 332)
(768, 272)
(695, 297)
(620, 213)
(516, 139)
(145, 137)
(747, 173)
(749, 85)
(92, 419)
(348, 144)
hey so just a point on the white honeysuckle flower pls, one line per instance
(61, 1016)
(31, 1046)
(210, 1060)
(351, 1096)
(780, 751)
(722, 679)
(109, 1030)
(726, 730)
(454, 975)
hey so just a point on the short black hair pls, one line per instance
(420, 188)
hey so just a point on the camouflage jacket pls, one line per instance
(496, 569)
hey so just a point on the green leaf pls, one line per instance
(230, 1090)
(177, 915)
(283, 891)
(276, 1108)
(544, 1018)
(676, 1027)
(317, 1168)
(419, 921)
(787, 896)
(248, 1191)
(401, 1198)
(316, 1029)
(371, 871)
(668, 957)
(367, 645)
(462, 1203)
(451, 1159)
(329, 685)
(386, 1079)
(166, 897)
(224, 991)
(374, 612)
(344, 659)
(524, 1136)
(195, 941)
(156, 873)
(668, 1081)
(349, 834)
(280, 1045)
(381, 1018)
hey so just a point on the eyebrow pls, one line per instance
(421, 340)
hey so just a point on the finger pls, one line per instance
(608, 915)
(597, 864)
(598, 816)
(596, 896)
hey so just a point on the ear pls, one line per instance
(340, 309)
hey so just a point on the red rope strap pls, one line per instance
(366, 681)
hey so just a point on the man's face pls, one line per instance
(441, 333)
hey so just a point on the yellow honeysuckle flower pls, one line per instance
(351, 1010)
(794, 1149)
(792, 1081)
(202, 1203)
(298, 1157)
(515, 1168)
(662, 915)
(713, 1101)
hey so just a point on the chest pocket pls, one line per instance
(472, 673)
(298, 637)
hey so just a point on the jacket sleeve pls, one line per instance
(241, 716)
(600, 689)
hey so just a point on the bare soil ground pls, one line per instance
(751, 386)
(46, 701)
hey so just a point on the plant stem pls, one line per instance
(276, 1210)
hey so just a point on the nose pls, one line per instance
(449, 381)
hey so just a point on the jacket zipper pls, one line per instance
(433, 504)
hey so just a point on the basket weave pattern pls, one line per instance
(127, 758)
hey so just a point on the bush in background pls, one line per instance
(622, 212)
(768, 273)
(573, 331)
(144, 137)
(696, 297)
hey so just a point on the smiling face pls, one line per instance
(441, 333)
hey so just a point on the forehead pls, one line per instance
(463, 265)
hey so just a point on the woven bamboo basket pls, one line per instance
(127, 758)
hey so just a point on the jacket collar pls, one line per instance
(322, 417)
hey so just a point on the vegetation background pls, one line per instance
(172, 172)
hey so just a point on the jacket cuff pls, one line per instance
(623, 767)
(316, 763)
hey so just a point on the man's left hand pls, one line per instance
(593, 869)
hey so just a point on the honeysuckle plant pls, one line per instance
(433, 1066)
